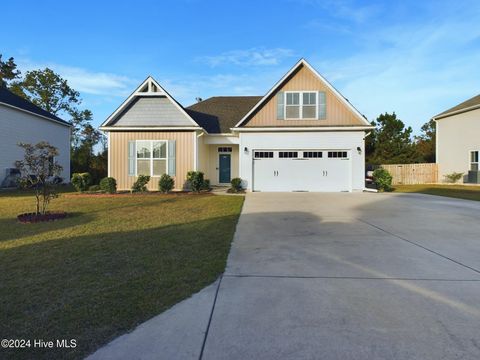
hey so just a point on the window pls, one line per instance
(151, 157)
(292, 106)
(287, 154)
(263, 154)
(312, 154)
(474, 160)
(337, 154)
(301, 105)
(309, 105)
(226, 149)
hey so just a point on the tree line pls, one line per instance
(49, 91)
(391, 142)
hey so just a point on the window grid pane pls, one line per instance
(143, 149)
(159, 150)
(159, 167)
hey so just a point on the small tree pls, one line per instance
(40, 171)
(383, 179)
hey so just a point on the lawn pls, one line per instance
(112, 264)
(455, 191)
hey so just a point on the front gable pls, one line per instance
(332, 108)
(149, 106)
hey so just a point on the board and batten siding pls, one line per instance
(118, 155)
(305, 80)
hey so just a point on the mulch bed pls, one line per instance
(34, 217)
(128, 193)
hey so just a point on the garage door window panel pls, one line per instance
(263, 154)
(337, 155)
(288, 154)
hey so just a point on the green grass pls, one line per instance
(111, 265)
(454, 191)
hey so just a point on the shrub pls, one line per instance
(94, 188)
(453, 177)
(383, 179)
(141, 184)
(166, 183)
(206, 185)
(109, 185)
(195, 180)
(81, 181)
(236, 184)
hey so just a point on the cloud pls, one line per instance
(249, 57)
(86, 81)
(345, 9)
(417, 70)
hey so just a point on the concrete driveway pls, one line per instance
(332, 276)
(350, 276)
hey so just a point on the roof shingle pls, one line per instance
(472, 102)
(220, 113)
(9, 98)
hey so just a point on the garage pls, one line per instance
(302, 170)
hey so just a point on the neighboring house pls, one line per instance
(458, 140)
(303, 135)
(23, 122)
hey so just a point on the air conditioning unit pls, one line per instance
(474, 177)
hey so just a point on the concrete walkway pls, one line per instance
(332, 276)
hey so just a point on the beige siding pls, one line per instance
(337, 113)
(118, 155)
(457, 135)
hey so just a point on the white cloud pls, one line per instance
(86, 81)
(248, 57)
(416, 71)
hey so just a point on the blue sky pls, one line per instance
(416, 58)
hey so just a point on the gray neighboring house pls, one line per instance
(458, 140)
(22, 121)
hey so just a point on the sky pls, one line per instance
(417, 58)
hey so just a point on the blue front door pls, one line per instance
(224, 171)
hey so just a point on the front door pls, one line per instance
(224, 171)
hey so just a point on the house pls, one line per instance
(303, 135)
(458, 140)
(23, 122)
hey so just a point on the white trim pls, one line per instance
(470, 108)
(281, 81)
(149, 81)
(436, 141)
(109, 152)
(151, 157)
(147, 128)
(35, 114)
(195, 151)
(316, 128)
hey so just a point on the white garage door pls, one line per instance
(302, 170)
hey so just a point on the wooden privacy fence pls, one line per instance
(409, 174)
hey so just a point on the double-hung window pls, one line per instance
(151, 157)
(301, 105)
(292, 106)
(474, 160)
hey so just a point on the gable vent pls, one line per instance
(149, 88)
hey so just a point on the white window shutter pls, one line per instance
(171, 157)
(322, 105)
(131, 158)
(280, 105)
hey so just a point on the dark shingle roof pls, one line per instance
(220, 113)
(474, 101)
(11, 99)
